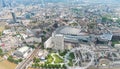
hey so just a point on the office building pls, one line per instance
(58, 41)
(14, 17)
(48, 43)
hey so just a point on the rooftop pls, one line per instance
(106, 36)
(69, 31)
(23, 49)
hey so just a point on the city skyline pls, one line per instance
(59, 34)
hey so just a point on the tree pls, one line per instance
(43, 38)
(44, 32)
(36, 60)
(64, 66)
(72, 56)
(1, 52)
(91, 25)
(10, 58)
(35, 65)
(63, 53)
(20, 60)
(42, 65)
(48, 29)
(16, 61)
(106, 19)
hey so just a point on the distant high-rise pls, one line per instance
(14, 17)
(3, 3)
(43, 3)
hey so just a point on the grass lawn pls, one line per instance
(58, 59)
(115, 42)
(49, 59)
(7, 65)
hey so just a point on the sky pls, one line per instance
(65, 1)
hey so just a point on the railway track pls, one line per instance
(23, 64)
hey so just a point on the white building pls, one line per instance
(23, 52)
(55, 42)
(6, 32)
(58, 41)
(33, 39)
(48, 43)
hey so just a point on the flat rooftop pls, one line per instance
(70, 31)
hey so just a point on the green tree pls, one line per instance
(105, 19)
(1, 52)
(10, 58)
(16, 61)
(20, 60)
(44, 32)
(91, 25)
(36, 60)
(63, 53)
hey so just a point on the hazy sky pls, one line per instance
(39, 1)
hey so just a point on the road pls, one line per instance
(23, 64)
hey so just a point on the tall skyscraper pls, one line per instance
(14, 17)
(3, 3)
